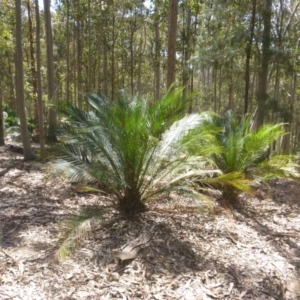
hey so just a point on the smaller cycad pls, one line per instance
(236, 149)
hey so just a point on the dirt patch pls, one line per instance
(216, 253)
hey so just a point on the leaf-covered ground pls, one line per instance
(217, 253)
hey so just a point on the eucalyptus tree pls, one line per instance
(51, 135)
(32, 61)
(39, 78)
(265, 59)
(248, 51)
(157, 58)
(172, 34)
(1, 113)
(28, 153)
(7, 32)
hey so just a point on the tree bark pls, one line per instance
(286, 141)
(187, 52)
(39, 78)
(157, 53)
(248, 57)
(28, 154)
(262, 94)
(113, 54)
(79, 56)
(51, 137)
(172, 33)
(32, 63)
(2, 142)
(68, 53)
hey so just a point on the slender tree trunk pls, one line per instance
(105, 67)
(263, 74)
(230, 86)
(11, 76)
(73, 68)
(186, 51)
(172, 33)
(157, 52)
(276, 91)
(142, 48)
(41, 133)
(28, 154)
(215, 75)
(248, 57)
(79, 57)
(32, 63)
(220, 89)
(50, 72)
(89, 64)
(113, 55)
(2, 143)
(131, 61)
(286, 142)
(68, 52)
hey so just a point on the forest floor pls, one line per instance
(250, 252)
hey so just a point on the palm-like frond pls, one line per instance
(277, 166)
(77, 228)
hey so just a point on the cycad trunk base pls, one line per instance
(131, 202)
(230, 194)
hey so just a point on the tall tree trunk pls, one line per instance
(11, 76)
(39, 78)
(28, 154)
(68, 52)
(79, 56)
(113, 54)
(230, 86)
(1, 113)
(286, 142)
(262, 94)
(50, 72)
(157, 52)
(186, 51)
(277, 64)
(105, 67)
(142, 47)
(32, 63)
(248, 57)
(172, 33)
(131, 61)
(215, 76)
(89, 64)
(73, 68)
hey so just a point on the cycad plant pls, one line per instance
(129, 148)
(134, 150)
(240, 150)
(243, 148)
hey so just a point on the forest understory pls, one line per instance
(251, 251)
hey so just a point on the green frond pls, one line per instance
(233, 179)
(277, 166)
(77, 228)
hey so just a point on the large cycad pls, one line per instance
(130, 148)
